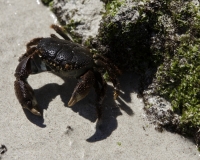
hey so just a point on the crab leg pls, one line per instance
(54, 36)
(28, 52)
(112, 70)
(107, 62)
(23, 90)
(33, 42)
(60, 31)
(100, 92)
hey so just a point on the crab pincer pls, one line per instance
(23, 90)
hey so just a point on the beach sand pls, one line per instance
(72, 133)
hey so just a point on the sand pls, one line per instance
(71, 133)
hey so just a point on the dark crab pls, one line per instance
(65, 58)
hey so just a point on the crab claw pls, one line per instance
(83, 87)
(23, 90)
(25, 95)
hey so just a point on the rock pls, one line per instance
(82, 16)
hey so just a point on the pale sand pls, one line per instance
(124, 134)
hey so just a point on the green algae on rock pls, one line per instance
(178, 78)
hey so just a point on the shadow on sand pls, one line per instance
(86, 107)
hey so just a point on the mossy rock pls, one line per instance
(162, 34)
(123, 35)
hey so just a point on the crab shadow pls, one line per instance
(86, 108)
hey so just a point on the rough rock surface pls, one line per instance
(84, 15)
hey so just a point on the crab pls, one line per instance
(65, 58)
